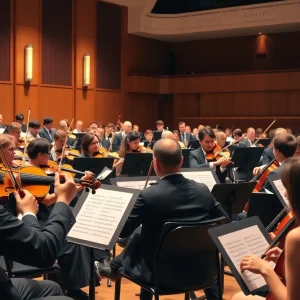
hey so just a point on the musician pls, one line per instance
(103, 143)
(109, 131)
(290, 176)
(14, 129)
(188, 129)
(72, 259)
(184, 137)
(78, 127)
(60, 137)
(89, 145)
(160, 125)
(10, 145)
(221, 138)
(33, 129)
(250, 138)
(25, 236)
(20, 120)
(127, 127)
(284, 146)
(47, 131)
(173, 198)
(177, 139)
(197, 157)
(148, 136)
(93, 125)
(195, 134)
(268, 155)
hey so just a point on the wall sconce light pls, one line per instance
(28, 62)
(86, 69)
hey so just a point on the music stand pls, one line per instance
(193, 145)
(264, 142)
(186, 156)
(157, 135)
(233, 196)
(79, 137)
(265, 206)
(246, 157)
(147, 143)
(137, 164)
(94, 165)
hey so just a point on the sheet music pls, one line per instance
(281, 189)
(100, 215)
(138, 185)
(246, 241)
(2, 130)
(205, 177)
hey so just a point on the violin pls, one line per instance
(143, 149)
(216, 153)
(35, 180)
(70, 155)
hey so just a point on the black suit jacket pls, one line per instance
(267, 156)
(197, 160)
(44, 134)
(105, 143)
(188, 136)
(117, 142)
(174, 198)
(25, 242)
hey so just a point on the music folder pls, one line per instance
(234, 241)
(137, 164)
(101, 216)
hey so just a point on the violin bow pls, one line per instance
(264, 132)
(64, 149)
(26, 138)
(149, 172)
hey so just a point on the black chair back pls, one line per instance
(187, 258)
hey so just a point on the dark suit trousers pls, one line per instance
(131, 248)
(29, 289)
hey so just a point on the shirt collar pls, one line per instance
(170, 174)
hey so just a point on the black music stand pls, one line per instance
(265, 206)
(193, 144)
(264, 142)
(233, 196)
(186, 156)
(148, 144)
(94, 165)
(157, 135)
(137, 164)
(77, 143)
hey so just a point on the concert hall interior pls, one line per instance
(191, 107)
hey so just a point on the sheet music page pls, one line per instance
(100, 216)
(246, 241)
(281, 189)
(138, 185)
(2, 130)
(205, 177)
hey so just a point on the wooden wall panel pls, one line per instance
(7, 105)
(108, 106)
(142, 109)
(57, 39)
(27, 19)
(5, 40)
(85, 106)
(108, 46)
(238, 54)
(25, 100)
(57, 103)
(85, 38)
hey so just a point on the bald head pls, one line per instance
(280, 130)
(167, 135)
(168, 153)
(127, 126)
(63, 125)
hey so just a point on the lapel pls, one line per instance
(201, 157)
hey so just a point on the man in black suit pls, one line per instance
(20, 120)
(184, 136)
(173, 198)
(47, 131)
(285, 146)
(197, 157)
(103, 143)
(127, 126)
(24, 242)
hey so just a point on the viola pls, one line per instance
(71, 154)
(35, 180)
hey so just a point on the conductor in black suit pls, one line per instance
(24, 241)
(197, 157)
(173, 198)
(47, 132)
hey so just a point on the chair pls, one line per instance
(17, 270)
(182, 242)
